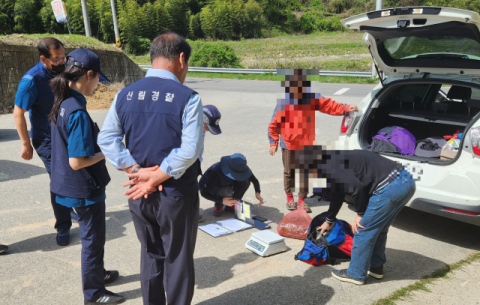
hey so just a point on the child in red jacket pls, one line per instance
(293, 124)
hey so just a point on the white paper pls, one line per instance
(239, 210)
(233, 224)
(214, 230)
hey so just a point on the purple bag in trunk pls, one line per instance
(400, 137)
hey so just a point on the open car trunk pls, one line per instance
(426, 108)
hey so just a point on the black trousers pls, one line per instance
(167, 230)
(92, 233)
(62, 213)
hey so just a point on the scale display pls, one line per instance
(256, 245)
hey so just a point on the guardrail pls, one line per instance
(262, 71)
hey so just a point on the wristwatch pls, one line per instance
(136, 169)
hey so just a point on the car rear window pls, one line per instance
(414, 90)
(418, 47)
(475, 94)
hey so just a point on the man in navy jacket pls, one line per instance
(35, 95)
(161, 120)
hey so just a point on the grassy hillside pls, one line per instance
(344, 51)
(70, 41)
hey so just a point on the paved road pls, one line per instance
(37, 271)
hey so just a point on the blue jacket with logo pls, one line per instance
(150, 112)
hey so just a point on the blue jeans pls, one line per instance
(369, 244)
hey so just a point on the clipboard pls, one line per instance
(243, 211)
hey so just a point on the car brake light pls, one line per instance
(475, 138)
(456, 211)
(347, 121)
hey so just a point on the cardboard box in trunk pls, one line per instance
(447, 154)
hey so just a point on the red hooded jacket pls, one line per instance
(296, 123)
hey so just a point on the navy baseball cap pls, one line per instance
(211, 118)
(84, 58)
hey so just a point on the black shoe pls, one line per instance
(343, 276)
(3, 249)
(108, 298)
(110, 276)
(376, 272)
(63, 237)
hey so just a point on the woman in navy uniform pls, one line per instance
(79, 174)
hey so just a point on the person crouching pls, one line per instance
(226, 181)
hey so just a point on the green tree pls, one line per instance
(196, 27)
(207, 22)
(254, 21)
(223, 20)
(239, 17)
(307, 22)
(75, 16)
(214, 55)
(26, 16)
(103, 21)
(133, 23)
(49, 22)
(179, 13)
(7, 22)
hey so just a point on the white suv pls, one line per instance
(428, 60)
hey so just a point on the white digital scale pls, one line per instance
(266, 243)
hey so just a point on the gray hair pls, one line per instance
(169, 45)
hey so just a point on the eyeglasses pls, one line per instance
(58, 61)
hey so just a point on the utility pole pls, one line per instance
(86, 20)
(378, 6)
(115, 25)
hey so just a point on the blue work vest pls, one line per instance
(43, 105)
(83, 183)
(150, 112)
(217, 168)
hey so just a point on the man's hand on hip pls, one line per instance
(356, 224)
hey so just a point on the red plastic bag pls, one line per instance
(295, 224)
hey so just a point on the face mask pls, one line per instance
(58, 69)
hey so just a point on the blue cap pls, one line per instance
(211, 118)
(235, 167)
(84, 58)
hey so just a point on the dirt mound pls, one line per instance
(103, 96)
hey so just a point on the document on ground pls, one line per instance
(233, 224)
(214, 230)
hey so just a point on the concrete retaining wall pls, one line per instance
(16, 60)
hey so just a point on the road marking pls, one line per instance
(341, 91)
